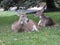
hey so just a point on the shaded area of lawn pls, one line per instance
(46, 35)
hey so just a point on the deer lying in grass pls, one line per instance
(17, 26)
(24, 24)
(44, 20)
(31, 25)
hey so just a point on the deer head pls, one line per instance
(40, 12)
(23, 16)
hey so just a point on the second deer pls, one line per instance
(44, 20)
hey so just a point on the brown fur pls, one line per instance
(27, 25)
(17, 26)
(45, 21)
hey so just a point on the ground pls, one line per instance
(46, 35)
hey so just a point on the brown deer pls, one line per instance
(44, 20)
(24, 24)
(17, 26)
(31, 25)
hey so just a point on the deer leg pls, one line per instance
(39, 22)
(35, 28)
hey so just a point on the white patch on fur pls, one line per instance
(34, 28)
(26, 20)
(21, 22)
(39, 22)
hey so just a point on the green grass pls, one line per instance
(46, 35)
(6, 13)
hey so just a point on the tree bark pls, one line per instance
(50, 4)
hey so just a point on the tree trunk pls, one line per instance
(50, 4)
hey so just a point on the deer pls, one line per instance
(44, 20)
(17, 25)
(24, 24)
(31, 25)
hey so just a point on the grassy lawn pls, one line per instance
(46, 35)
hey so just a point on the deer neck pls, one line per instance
(20, 21)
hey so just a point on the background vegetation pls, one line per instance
(45, 36)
